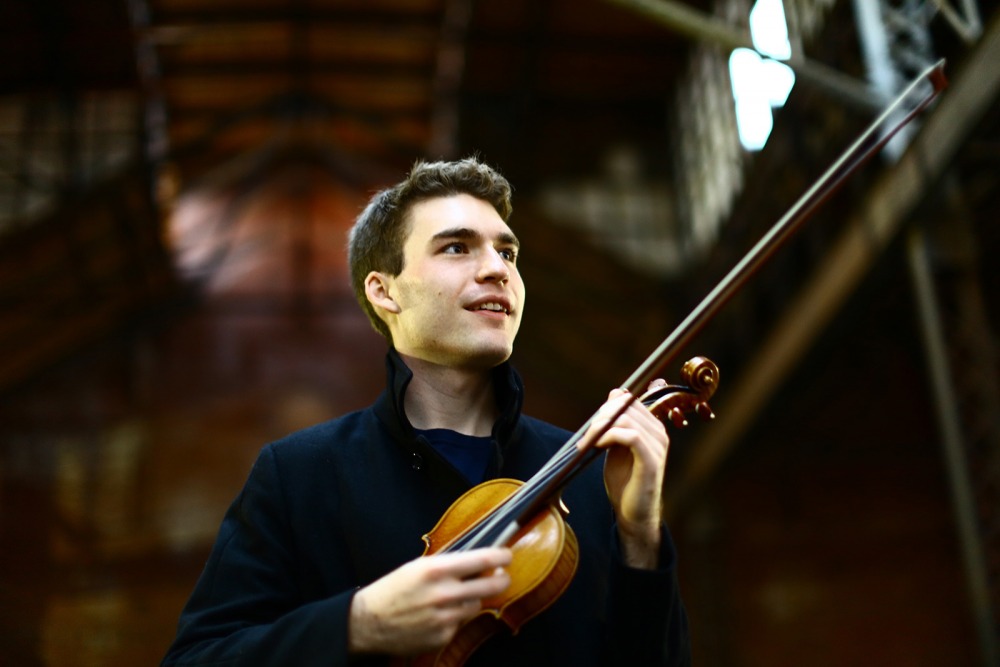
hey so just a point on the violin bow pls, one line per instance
(579, 449)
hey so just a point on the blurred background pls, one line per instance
(176, 182)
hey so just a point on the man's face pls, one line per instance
(459, 295)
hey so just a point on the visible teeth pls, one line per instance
(494, 307)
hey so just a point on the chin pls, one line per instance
(489, 356)
(470, 355)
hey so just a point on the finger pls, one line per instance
(647, 451)
(642, 418)
(635, 426)
(465, 564)
(642, 434)
(463, 593)
(627, 414)
(458, 613)
(656, 384)
(619, 402)
(485, 586)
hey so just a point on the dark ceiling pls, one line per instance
(377, 81)
(543, 89)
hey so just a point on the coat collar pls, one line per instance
(509, 392)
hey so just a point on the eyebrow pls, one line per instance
(465, 233)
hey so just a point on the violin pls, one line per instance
(543, 546)
(528, 517)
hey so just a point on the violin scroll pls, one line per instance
(672, 403)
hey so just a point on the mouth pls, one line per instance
(493, 306)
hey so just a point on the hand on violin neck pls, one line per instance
(637, 445)
(418, 607)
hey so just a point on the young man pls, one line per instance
(318, 561)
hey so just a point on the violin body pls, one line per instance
(545, 554)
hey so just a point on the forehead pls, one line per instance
(432, 217)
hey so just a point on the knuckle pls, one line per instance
(445, 596)
(443, 634)
(435, 569)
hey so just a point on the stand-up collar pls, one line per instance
(508, 390)
(507, 387)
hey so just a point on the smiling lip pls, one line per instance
(495, 305)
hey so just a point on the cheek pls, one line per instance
(411, 293)
(521, 302)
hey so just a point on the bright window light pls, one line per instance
(761, 84)
(779, 79)
(769, 30)
(753, 105)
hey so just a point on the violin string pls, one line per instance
(508, 512)
(528, 494)
(487, 531)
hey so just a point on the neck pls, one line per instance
(445, 397)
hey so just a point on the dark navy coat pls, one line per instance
(333, 507)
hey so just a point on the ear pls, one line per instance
(377, 290)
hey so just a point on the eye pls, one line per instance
(454, 249)
(509, 254)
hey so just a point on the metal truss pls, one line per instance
(961, 356)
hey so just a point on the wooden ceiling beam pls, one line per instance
(265, 66)
(171, 25)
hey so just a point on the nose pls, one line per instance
(494, 268)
